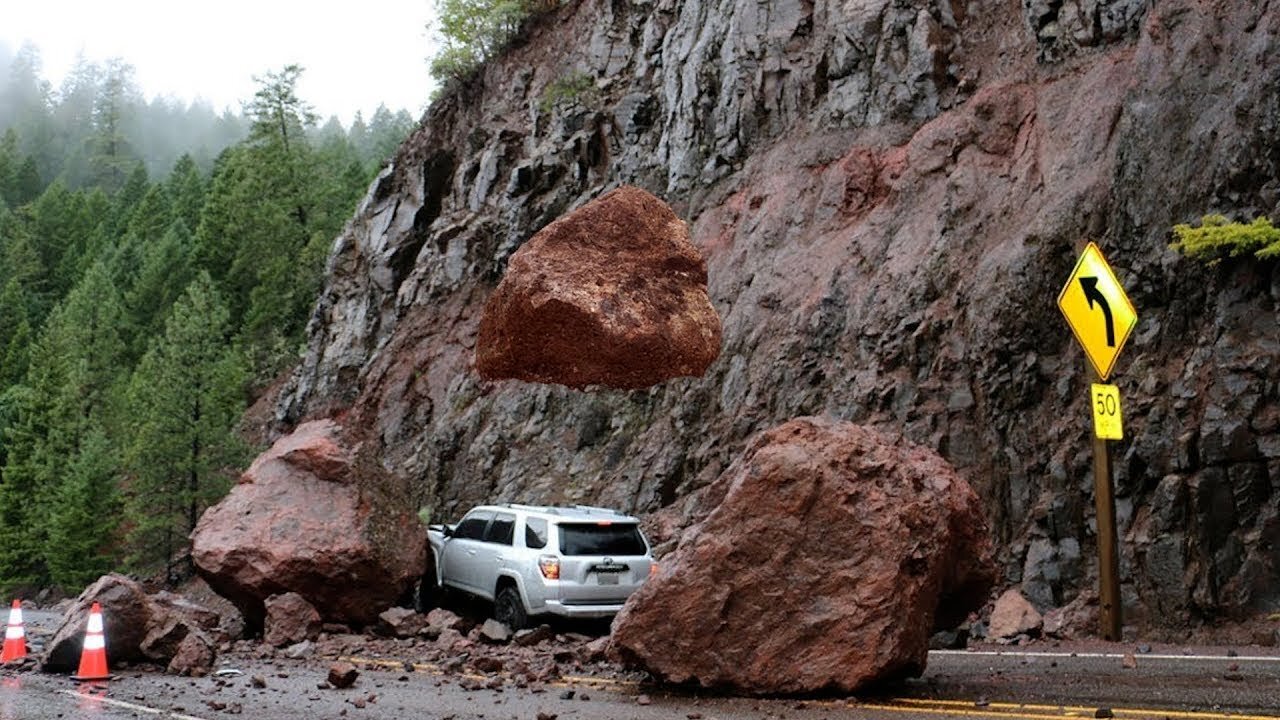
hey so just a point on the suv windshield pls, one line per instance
(601, 539)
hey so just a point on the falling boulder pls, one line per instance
(828, 556)
(611, 294)
(303, 520)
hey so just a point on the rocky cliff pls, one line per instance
(889, 195)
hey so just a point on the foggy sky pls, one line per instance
(356, 54)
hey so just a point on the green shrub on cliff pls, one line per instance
(1217, 236)
(472, 31)
(578, 87)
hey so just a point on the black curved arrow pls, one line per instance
(1092, 294)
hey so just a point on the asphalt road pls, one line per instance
(960, 684)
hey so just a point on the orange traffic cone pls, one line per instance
(15, 639)
(93, 659)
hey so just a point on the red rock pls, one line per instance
(290, 620)
(299, 521)
(164, 637)
(830, 556)
(1013, 615)
(193, 612)
(128, 615)
(442, 620)
(611, 294)
(401, 622)
(194, 657)
(343, 675)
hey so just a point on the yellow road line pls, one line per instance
(1118, 711)
(970, 711)
(957, 708)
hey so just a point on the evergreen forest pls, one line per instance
(158, 264)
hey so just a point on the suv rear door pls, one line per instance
(602, 562)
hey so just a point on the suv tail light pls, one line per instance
(653, 569)
(550, 567)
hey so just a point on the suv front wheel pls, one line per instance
(508, 608)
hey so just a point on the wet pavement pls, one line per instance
(1204, 684)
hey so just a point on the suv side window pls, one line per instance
(535, 533)
(472, 526)
(502, 530)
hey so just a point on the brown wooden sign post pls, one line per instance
(1101, 316)
(1104, 503)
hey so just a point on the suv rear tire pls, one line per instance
(508, 608)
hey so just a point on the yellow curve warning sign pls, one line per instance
(1097, 310)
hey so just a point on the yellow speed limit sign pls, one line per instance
(1105, 400)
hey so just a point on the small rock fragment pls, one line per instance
(1129, 662)
(1104, 712)
(258, 681)
(531, 637)
(342, 675)
(643, 700)
(495, 632)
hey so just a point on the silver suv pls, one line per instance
(579, 561)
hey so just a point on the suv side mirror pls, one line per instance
(447, 530)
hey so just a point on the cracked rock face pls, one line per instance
(888, 196)
(612, 294)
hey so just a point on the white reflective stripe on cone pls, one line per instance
(95, 642)
(15, 616)
(13, 632)
(95, 623)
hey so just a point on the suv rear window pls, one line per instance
(598, 539)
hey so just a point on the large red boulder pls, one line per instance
(611, 294)
(301, 520)
(828, 555)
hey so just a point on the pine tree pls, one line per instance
(72, 386)
(9, 169)
(187, 397)
(14, 317)
(186, 190)
(84, 516)
(165, 271)
(113, 156)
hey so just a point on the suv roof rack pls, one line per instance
(520, 506)
(593, 509)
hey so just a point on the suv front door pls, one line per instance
(459, 561)
(494, 553)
